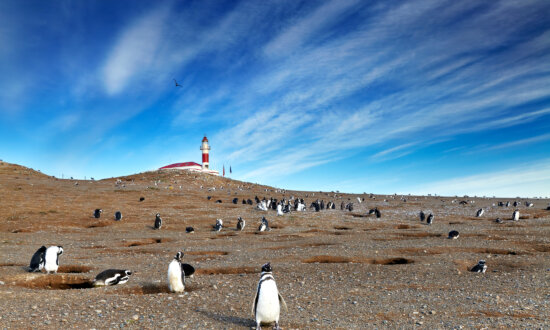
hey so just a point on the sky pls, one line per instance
(421, 97)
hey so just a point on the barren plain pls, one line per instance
(336, 269)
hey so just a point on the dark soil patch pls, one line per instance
(207, 253)
(372, 261)
(342, 228)
(226, 270)
(99, 224)
(147, 241)
(73, 269)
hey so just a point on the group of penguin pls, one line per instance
(480, 267)
(267, 301)
(48, 259)
(241, 223)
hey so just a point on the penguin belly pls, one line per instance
(175, 281)
(51, 260)
(268, 308)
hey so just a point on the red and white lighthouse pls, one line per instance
(205, 149)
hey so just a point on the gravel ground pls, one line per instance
(336, 269)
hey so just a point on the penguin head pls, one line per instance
(481, 262)
(178, 256)
(128, 272)
(59, 250)
(266, 268)
(158, 215)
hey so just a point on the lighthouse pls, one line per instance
(205, 149)
(195, 167)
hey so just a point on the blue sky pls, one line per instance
(440, 97)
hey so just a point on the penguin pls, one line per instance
(235, 200)
(515, 215)
(507, 204)
(249, 201)
(481, 267)
(453, 234)
(279, 210)
(498, 220)
(158, 221)
(240, 224)
(430, 219)
(176, 275)
(267, 302)
(377, 212)
(244, 201)
(219, 225)
(422, 216)
(264, 225)
(189, 230)
(112, 277)
(118, 216)
(51, 258)
(480, 212)
(97, 213)
(141, 199)
(38, 260)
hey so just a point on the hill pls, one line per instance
(335, 268)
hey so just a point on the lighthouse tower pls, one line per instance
(205, 149)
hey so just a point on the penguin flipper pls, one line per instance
(282, 302)
(253, 312)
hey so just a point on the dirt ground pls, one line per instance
(335, 269)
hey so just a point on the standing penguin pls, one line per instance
(112, 277)
(51, 258)
(422, 216)
(240, 224)
(268, 300)
(515, 216)
(264, 225)
(118, 216)
(219, 225)
(38, 260)
(176, 275)
(430, 219)
(158, 221)
(480, 212)
(97, 213)
(279, 209)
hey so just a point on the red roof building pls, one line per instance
(192, 166)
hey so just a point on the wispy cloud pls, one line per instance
(136, 50)
(525, 180)
(514, 144)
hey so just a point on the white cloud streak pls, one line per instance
(526, 180)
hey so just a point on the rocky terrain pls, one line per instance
(336, 269)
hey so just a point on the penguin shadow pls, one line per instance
(236, 320)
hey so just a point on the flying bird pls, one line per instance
(177, 85)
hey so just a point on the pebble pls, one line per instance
(135, 317)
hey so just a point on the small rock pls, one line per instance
(135, 317)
